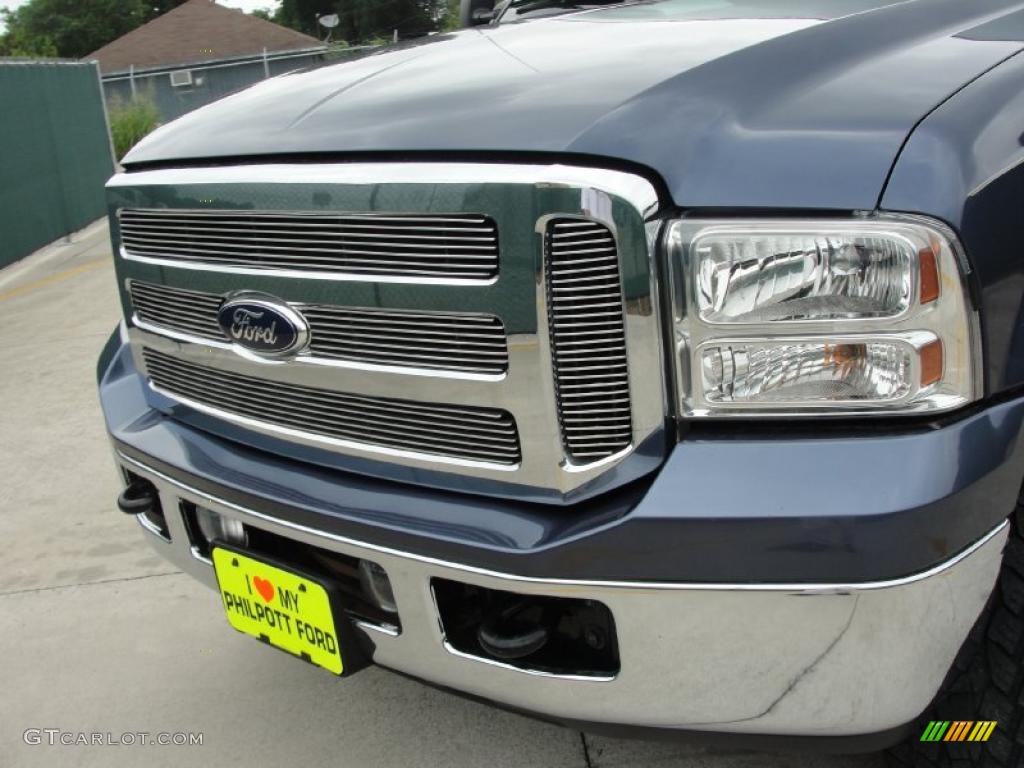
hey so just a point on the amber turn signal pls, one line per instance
(929, 269)
(931, 363)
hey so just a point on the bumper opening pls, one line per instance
(141, 498)
(360, 602)
(365, 586)
(554, 635)
(205, 526)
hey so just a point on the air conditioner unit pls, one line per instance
(181, 78)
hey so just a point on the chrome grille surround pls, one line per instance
(484, 436)
(522, 198)
(588, 338)
(375, 246)
(462, 343)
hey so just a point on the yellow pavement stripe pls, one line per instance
(988, 731)
(50, 279)
(980, 726)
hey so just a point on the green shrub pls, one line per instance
(130, 121)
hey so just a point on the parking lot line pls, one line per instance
(56, 278)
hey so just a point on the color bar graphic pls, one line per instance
(959, 730)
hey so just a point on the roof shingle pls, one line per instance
(197, 31)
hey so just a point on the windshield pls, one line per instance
(680, 10)
(518, 9)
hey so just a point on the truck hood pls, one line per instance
(779, 103)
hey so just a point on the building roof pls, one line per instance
(198, 31)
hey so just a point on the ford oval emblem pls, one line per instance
(263, 325)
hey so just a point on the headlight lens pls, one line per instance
(820, 316)
(801, 276)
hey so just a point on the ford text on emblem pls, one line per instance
(265, 326)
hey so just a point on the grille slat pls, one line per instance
(588, 338)
(591, 346)
(382, 316)
(443, 246)
(369, 428)
(405, 270)
(166, 231)
(186, 223)
(176, 295)
(305, 216)
(310, 247)
(186, 311)
(476, 426)
(312, 263)
(458, 432)
(602, 267)
(432, 340)
(175, 305)
(355, 348)
(374, 341)
(184, 308)
(476, 325)
(599, 330)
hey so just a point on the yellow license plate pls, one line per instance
(284, 609)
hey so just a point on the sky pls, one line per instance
(245, 5)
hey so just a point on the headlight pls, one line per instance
(815, 317)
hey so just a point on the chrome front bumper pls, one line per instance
(774, 659)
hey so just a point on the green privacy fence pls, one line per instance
(54, 152)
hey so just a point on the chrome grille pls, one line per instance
(453, 246)
(453, 342)
(588, 338)
(469, 343)
(516, 201)
(465, 433)
(189, 312)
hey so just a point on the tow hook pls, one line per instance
(138, 498)
(507, 634)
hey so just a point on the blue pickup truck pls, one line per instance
(656, 367)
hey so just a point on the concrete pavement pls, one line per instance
(98, 635)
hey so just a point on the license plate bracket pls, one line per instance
(286, 607)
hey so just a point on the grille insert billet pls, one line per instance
(466, 433)
(189, 312)
(462, 342)
(588, 338)
(414, 246)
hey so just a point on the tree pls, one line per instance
(75, 28)
(160, 7)
(16, 43)
(70, 28)
(450, 19)
(363, 20)
(262, 13)
(301, 14)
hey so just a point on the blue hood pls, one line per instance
(782, 103)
